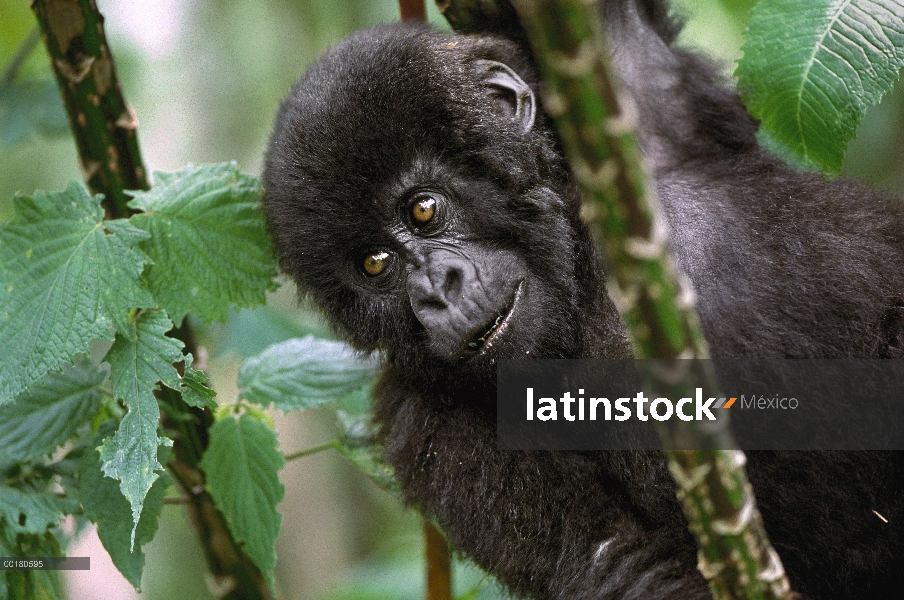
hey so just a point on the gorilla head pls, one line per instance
(417, 194)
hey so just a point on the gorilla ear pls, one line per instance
(513, 98)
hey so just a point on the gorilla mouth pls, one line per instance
(481, 343)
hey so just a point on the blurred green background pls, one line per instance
(205, 77)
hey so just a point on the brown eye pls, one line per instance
(376, 262)
(423, 209)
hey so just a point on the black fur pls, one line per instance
(784, 265)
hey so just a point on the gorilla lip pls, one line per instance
(480, 345)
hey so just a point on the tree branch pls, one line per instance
(233, 575)
(104, 127)
(653, 297)
(103, 124)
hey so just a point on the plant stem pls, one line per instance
(439, 563)
(28, 44)
(103, 124)
(413, 9)
(312, 450)
(233, 574)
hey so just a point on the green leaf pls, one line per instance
(105, 505)
(39, 584)
(356, 444)
(195, 387)
(67, 277)
(811, 69)
(30, 107)
(303, 373)
(48, 414)
(28, 511)
(242, 465)
(208, 242)
(135, 368)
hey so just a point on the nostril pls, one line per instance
(452, 284)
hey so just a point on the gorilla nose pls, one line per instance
(436, 285)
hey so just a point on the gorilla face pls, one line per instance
(424, 209)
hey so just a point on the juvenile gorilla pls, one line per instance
(417, 193)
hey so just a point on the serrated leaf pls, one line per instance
(105, 505)
(64, 281)
(195, 387)
(48, 414)
(136, 366)
(241, 465)
(208, 242)
(811, 69)
(303, 373)
(356, 444)
(29, 511)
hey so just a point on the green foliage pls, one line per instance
(28, 511)
(250, 332)
(208, 244)
(68, 277)
(136, 365)
(105, 505)
(48, 414)
(308, 372)
(195, 387)
(241, 465)
(400, 575)
(811, 69)
(29, 585)
(303, 373)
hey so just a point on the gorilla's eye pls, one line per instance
(376, 262)
(423, 209)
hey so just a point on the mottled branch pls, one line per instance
(103, 125)
(654, 298)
